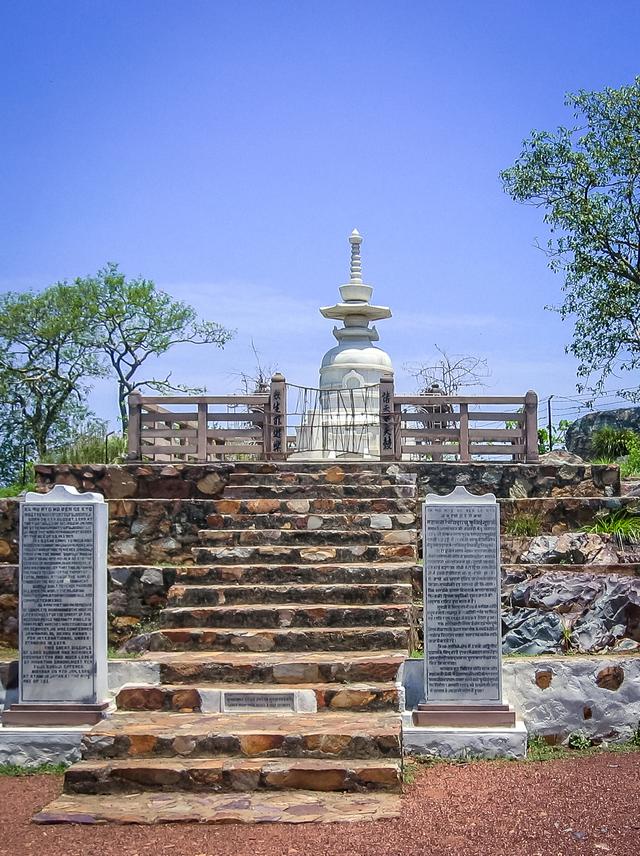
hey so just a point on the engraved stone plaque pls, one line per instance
(462, 626)
(256, 701)
(63, 573)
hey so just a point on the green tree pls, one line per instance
(132, 320)
(586, 179)
(47, 356)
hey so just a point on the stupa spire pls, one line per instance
(355, 309)
(355, 239)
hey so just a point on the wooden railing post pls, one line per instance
(134, 442)
(531, 427)
(201, 439)
(388, 449)
(465, 453)
(276, 419)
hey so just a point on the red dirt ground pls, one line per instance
(552, 808)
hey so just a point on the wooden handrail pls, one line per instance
(434, 426)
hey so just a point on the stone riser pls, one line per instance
(197, 595)
(316, 639)
(286, 616)
(303, 555)
(313, 522)
(292, 574)
(279, 669)
(317, 735)
(327, 505)
(305, 537)
(334, 475)
(188, 699)
(320, 491)
(224, 775)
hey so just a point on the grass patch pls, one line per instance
(579, 747)
(8, 653)
(524, 524)
(623, 526)
(114, 653)
(15, 770)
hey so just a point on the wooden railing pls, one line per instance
(412, 427)
(442, 427)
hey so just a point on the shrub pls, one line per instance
(579, 740)
(524, 524)
(90, 449)
(631, 465)
(16, 489)
(611, 443)
(622, 524)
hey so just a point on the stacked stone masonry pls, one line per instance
(312, 570)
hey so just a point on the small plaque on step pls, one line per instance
(258, 701)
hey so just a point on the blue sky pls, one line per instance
(226, 150)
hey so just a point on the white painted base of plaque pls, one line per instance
(448, 742)
(33, 746)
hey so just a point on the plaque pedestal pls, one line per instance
(22, 715)
(465, 715)
(63, 611)
(463, 709)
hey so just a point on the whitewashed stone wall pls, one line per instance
(556, 696)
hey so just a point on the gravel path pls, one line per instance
(553, 808)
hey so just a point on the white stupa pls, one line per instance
(344, 423)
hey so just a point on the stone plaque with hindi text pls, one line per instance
(462, 627)
(63, 598)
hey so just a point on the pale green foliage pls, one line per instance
(630, 466)
(132, 320)
(622, 524)
(611, 443)
(47, 357)
(586, 178)
(523, 524)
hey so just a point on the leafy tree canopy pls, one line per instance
(47, 357)
(132, 320)
(586, 179)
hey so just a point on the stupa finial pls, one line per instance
(355, 239)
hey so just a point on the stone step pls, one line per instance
(312, 522)
(193, 698)
(330, 475)
(218, 595)
(286, 615)
(326, 505)
(304, 668)
(269, 490)
(280, 554)
(242, 807)
(215, 775)
(378, 574)
(305, 537)
(204, 735)
(263, 640)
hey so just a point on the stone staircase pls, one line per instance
(278, 652)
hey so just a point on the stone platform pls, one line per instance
(303, 619)
(300, 807)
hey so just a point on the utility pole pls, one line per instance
(550, 424)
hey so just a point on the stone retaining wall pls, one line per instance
(183, 481)
(556, 696)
